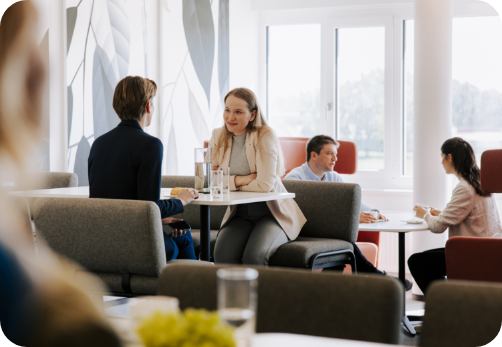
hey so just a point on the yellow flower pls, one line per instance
(192, 328)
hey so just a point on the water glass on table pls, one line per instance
(202, 158)
(216, 184)
(237, 300)
(226, 180)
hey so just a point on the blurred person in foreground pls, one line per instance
(41, 303)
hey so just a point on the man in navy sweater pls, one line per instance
(126, 162)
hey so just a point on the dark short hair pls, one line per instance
(131, 96)
(316, 144)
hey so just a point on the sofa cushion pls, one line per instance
(298, 253)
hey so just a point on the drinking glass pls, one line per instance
(237, 300)
(226, 179)
(216, 184)
(202, 169)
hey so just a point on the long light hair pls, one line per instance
(22, 74)
(258, 124)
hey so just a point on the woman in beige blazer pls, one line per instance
(251, 233)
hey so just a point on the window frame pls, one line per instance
(392, 18)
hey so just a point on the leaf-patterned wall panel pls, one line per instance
(80, 168)
(198, 122)
(70, 111)
(199, 33)
(172, 154)
(121, 34)
(223, 49)
(71, 20)
(105, 118)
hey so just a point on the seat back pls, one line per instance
(50, 180)
(294, 150)
(331, 209)
(474, 259)
(461, 314)
(301, 302)
(192, 212)
(491, 166)
(109, 236)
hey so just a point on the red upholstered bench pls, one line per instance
(293, 149)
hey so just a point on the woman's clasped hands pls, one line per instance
(244, 180)
(420, 211)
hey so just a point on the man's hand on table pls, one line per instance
(382, 217)
(186, 196)
(368, 217)
(176, 232)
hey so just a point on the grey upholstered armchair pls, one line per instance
(120, 241)
(366, 308)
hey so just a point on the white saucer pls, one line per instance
(414, 221)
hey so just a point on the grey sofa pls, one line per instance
(51, 180)
(297, 301)
(332, 212)
(461, 314)
(120, 241)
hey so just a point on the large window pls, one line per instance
(351, 76)
(294, 79)
(361, 97)
(476, 85)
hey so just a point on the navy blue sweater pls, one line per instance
(126, 163)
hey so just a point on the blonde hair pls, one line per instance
(131, 96)
(258, 124)
(22, 74)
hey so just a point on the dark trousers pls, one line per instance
(427, 267)
(362, 264)
(180, 247)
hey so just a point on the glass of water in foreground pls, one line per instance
(216, 184)
(237, 300)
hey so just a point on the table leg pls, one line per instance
(402, 278)
(205, 232)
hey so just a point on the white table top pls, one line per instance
(292, 340)
(234, 198)
(73, 192)
(394, 225)
(123, 327)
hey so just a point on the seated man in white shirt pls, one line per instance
(321, 158)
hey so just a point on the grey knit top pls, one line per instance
(239, 166)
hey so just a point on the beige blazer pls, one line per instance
(468, 214)
(286, 212)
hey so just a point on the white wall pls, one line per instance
(245, 47)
